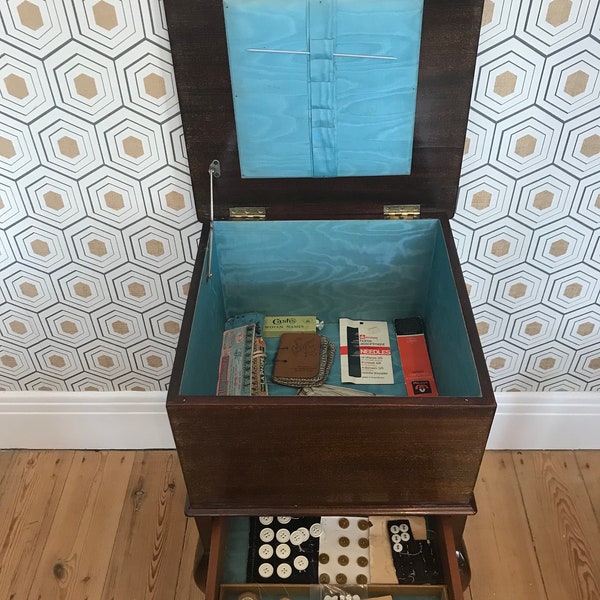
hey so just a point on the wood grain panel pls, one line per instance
(151, 531)
(80, 542)
(497, 539)
(589, 466)
(562, 523)
(30, 492)
(186, 586)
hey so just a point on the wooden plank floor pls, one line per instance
(110, 526)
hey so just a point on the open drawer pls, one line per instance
(226, 571)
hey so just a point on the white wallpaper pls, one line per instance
(528, 218)
(98, 230)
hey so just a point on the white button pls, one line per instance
(296, 537)
(267, 534)
(396, 538)
(316, 530)
(398, 547)
(265, 570)
(265, 551)
(356, 597)
(403, 527)
(305, 533)
(284, 570)
(282, 551)
(265, 520)
(283, 535)
(395, 529)
(405, 537)
(327, 597)
(301, 563)
(284, 520)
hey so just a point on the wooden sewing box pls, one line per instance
(330, 196)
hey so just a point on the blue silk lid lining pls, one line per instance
(324, 88)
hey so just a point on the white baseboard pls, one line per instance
(546, 421)
(84, 420)
(133, 420)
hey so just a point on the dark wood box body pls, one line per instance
(323, 455)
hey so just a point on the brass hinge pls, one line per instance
(247, 213)
(402, 211)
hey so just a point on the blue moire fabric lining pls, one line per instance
(324, 88)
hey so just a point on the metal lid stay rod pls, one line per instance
(214, 171)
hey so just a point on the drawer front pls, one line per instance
(217, 588)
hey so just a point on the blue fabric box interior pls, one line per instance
(374, 270)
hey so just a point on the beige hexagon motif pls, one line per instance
(597, 203)
(68, 147)
(154, 84)
(8, 361)
(576, 83)
(185, 288)
(505, 84)
(120, 327)
(57, 361)
(40, 248)
(533, 328)
(518, 290)
(591, 145)
(53, 201)
(16, 86)
(501, 248)
(30, 15)
(105, 361)
(594, 364)
(586, 328)
(481, 200)
(497, 363)
(155, 247)
(114, 200)
(171, 327)
(559, 248)
(18, 327)
(85, 86)
(91, 388)
(137, 289)
(559, 12)
(547, 363)
(97, 247)
(7, 148)
(154, 361)
(105, 15)
(82, 290)
(138, 388)
(483, 327)
(573, 290)
(467, 146)
(469, 288)
(175, 200)
(543, 200)
(525, 146)
(69, 327)
(29, 289)
(133, 146)
(488, 12)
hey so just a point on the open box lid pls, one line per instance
(319, 42)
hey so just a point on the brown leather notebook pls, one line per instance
(298, 356)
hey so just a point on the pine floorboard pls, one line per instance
(110, 525)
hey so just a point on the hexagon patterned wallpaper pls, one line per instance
(98, 230)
